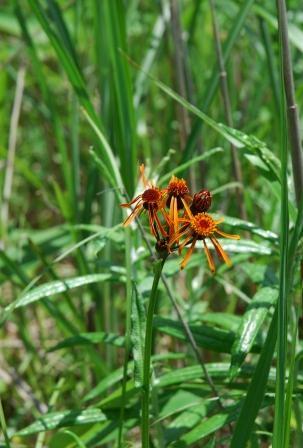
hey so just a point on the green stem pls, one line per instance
(147, 354)
(3, 426)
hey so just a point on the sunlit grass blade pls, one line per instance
(52, 288)
(256, 391)
(251, 323)
(64, 419)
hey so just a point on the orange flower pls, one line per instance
(177, 196)
(151, 200)
(200, 227)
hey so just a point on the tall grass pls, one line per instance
(97, 348)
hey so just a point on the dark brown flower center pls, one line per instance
(151, 197)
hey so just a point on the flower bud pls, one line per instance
(201, 202)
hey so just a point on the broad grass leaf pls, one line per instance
(252, 321)
(53, 288)
(89, 339)
(214, 339)
(109, 381)
(207, 427)
(240, 224)
(256, 390)
(55, 420)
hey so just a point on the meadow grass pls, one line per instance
(104, 340)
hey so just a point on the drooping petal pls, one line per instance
(187, 240)
(178, 235)
(128, 204)
(209, 257)
(188, 254)
(160, 227)
(220, 251)
(151, 217)
(175, 220)
(136, 211)
(227, 235)
(187, 208)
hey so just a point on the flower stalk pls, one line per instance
(147, 353)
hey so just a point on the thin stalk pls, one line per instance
(3, 426)
(292, 110)
(180, 68)
(9, 173)
(147, 353)
(129, 293)
(279, 421)
(237, 170)
(272, 68)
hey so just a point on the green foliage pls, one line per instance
(109, 85)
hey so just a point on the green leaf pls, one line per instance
(55, 420)
(88, 339)
(207, 427)
(53, 288)
(208, 337)
(252, 321)
(256, 391)
(107, 382)
(248, 226)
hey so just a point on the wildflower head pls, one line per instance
(152, 198)
(201, 202)
(178, 189)
(151, 201)
(203, 225)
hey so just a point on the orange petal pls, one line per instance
(188, 254)
(176, 236)
(175, 215)
(142, 172)
(164, 233)
(187, 208)
(151, 216)
(186, 241)
(209, 257)
(227, 235)
(133, 215)
(171, 215)
(128, 204)
(220, 251)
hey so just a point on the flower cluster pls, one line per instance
(177, 219)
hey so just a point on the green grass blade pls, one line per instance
(279, 420)
(123, 135)
(52, 288)
(252, 321)
(89, 339)
(55, 420)
(256, 391)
